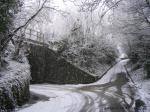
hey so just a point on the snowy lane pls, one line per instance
(60, 99)
(104, 95)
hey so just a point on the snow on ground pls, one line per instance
(143, 87)
(101, 96)
(61, 99)
(144, 93)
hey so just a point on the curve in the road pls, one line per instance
(105, 95)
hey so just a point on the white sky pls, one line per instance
(59, 22)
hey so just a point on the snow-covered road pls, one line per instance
(110, 94)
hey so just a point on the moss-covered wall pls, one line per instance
(48, 67)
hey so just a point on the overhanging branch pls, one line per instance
(24, 25)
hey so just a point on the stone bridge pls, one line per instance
(48, 67)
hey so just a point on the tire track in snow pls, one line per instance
(101, 96)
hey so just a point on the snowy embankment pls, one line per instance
(14, 85)
(143, 85)
(144, 92)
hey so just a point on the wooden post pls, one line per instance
(37, 36)
(20, 32)
(30, 33)
(43, 39)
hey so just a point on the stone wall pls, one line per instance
(48, 67)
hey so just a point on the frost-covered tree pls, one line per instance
(87, 49)
(128, 22)
(135, 28)
(8, 28)
(15, 17)
(8, 9)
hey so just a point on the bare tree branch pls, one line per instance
(24, 25)
(63, 13)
